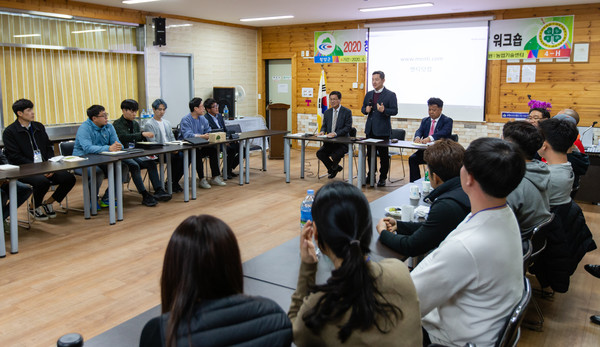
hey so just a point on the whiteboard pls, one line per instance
(445, 60)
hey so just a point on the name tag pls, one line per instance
(37, 156)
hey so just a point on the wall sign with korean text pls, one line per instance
(341, 46)
(531, 38)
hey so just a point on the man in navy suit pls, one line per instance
(379, 104)
(215, 120)
(434, 127)
(337, 121)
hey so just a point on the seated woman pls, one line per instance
(363, 302)
(201, 294)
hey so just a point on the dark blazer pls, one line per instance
(343, 124)
(443, 128)
(212, 123)
(19, 144)
(379, 124)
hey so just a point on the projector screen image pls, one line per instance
(447, 61)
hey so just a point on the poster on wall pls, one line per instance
(341, 46)
(531, 38)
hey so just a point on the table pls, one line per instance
(280, 265)
(49, 167)
(347, 141)
(344, 140)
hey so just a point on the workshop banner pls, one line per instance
(531, 38)
(341, 46)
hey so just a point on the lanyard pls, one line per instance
(486, 209)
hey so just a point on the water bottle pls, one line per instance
(306, 207)
(226, 114)
(426, 176)
(70, 340)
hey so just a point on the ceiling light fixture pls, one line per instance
(179, 25)
(131, 2)
(48, 14)
(264, 18)
(87, 31)
(27, 35)
(399, 7)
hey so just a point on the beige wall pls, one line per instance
(223, 57)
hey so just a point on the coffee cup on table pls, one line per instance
(426, 187)
(407, 213)
(414, 192)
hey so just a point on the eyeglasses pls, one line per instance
(534, 118)
(105, 115)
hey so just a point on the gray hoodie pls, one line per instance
(529, 201)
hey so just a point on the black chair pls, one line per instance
(454, 137)
(352, 133)
(510, 333)
(400, 135)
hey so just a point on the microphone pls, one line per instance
(589, 128)
(370, 104)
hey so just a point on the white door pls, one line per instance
(279, 83)
(176, 85)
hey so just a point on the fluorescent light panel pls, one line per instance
(27, 35)
(87, 31)
(48, 14)
(178, 25)
(264, 18)
(399, 7)
(131, 2)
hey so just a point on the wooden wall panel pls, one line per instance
(573, 85)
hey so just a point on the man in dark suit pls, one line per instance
(434, 127)
(215, 120)
(379, 104)
(337, 121)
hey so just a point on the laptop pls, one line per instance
(196, 140)
(133, 150)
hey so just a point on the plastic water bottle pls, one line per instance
(426, 176)
(225, 112)
(306, 207)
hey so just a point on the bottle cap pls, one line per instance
(310, 191)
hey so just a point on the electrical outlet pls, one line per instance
(302, 53)
(355, 85)
(259, 96)
(362, 85)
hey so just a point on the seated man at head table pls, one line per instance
(163, 132)
(128, 131)
(96, 135)
(559, 136)
(337, 121)
(436, 126)
(194, 124)
(23, 193)
(449, 204)
(26, 141)
(529, 201)
(216, 122)
(469, 285)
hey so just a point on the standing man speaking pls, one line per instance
(379, 104)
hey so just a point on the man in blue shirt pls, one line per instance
(96, 135)
(195, 125)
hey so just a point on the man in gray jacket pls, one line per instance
(529, 201)
(163, 132)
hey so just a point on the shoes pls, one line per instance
(6, 227)
(148, 199)
(38, 213)
(217, 181)
(49, 210)
(204, 184)
(381, 182)
(595, 319)
(335, 171)
(175, 187)
(231, 174)
(161, 195)
(104, 203)
(594, 270)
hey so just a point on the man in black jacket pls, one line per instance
(216, 122)
(26, 141)
(449, 205)
(379, 105)
(337, 121)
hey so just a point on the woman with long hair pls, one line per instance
(201, 294)
(363, 302)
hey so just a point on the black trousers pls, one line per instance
(213, 159)
(41, 184)
(331, 154)
(413, 163)
(233, 155)
(384, 158)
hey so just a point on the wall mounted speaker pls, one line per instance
(160, 33)
(225, 96)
